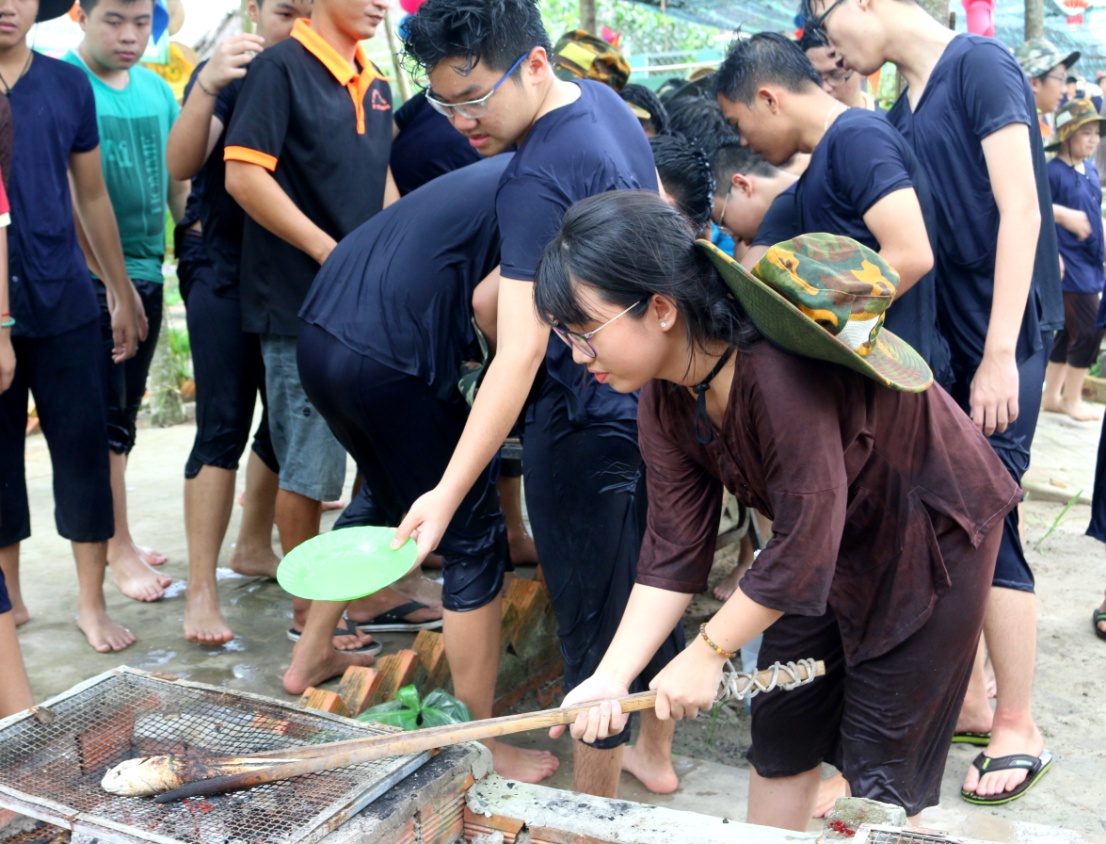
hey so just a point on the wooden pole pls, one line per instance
(587, 16)
(1034, 19)
(402, 82)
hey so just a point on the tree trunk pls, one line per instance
(1034, 19)
(938, 9)
(587, 15)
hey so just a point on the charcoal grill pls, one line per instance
(878, 834)
(53, 757)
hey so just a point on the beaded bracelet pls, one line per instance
(6, 320)
(714, 647)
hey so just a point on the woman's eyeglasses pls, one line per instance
(582, 342)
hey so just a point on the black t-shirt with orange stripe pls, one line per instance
(325, 134)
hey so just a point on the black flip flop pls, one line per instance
(1035, 767)
(1098, 617)
(346, 628)
(395, 621)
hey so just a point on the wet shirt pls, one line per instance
(849, 471)
(590, 146)
(975, 89)
(399, 288)
(223, 219)
(53, 116)
(324, 132)
(860, 160)
(134, 123)
(427, 145)
(781, 221)
(1083, 259)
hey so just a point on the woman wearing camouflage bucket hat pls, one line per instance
(782, 387)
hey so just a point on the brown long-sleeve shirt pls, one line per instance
(851, 473)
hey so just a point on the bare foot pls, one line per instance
(151, 557)
(1052, 406)
(102, 633)
(254, 562)
(829, 790)
(20, 614)
(725, 588)
(203, 620)
(522, 549)
(1080, 412)
(306, 670)
(520, 765)
(1101, 624)
(655, 773)
(134, 577)
(1005, 742)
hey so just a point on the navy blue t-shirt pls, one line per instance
(53, 115)
(781, 221)
(223, 218)
(427, 145)
(1083, 259)
(588, 147)
(976, 89)
(398, 289)
(860, 160)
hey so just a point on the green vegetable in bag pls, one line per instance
(407, 712)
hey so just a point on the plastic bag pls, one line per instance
(408, 712)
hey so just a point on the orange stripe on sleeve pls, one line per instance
(250, 156)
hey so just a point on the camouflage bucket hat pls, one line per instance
(580, 55)
(823, 296)
(1073, 116)
(1039, 55)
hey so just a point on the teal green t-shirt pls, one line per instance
(134, 128)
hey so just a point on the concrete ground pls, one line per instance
(1068, 690)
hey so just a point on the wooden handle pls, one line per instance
(342, 754)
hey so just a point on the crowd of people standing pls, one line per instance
(757, 282)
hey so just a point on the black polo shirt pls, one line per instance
(325, 133)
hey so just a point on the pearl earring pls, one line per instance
(664, 325)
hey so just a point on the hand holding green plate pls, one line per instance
(345, 564)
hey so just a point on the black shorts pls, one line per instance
(69, 398)
(886, 722)
(585, 494)
(402, 436)
(1077, 344)
(1012, 448)
(125, 383)
(227, 365)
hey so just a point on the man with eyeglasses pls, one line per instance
(843, 84)
(862, 180)
(969, 115)
(489, 70)
(1046, 68)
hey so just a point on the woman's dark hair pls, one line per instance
(764, 57)
(685, 173)
(641, 96)
(700, 120)
(628, 246)
(495, 32)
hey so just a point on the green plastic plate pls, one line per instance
(345, 564)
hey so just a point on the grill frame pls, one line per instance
(882, 834)
(50, 735)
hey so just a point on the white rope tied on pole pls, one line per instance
(737, 685)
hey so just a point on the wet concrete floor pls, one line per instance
(259, 613)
